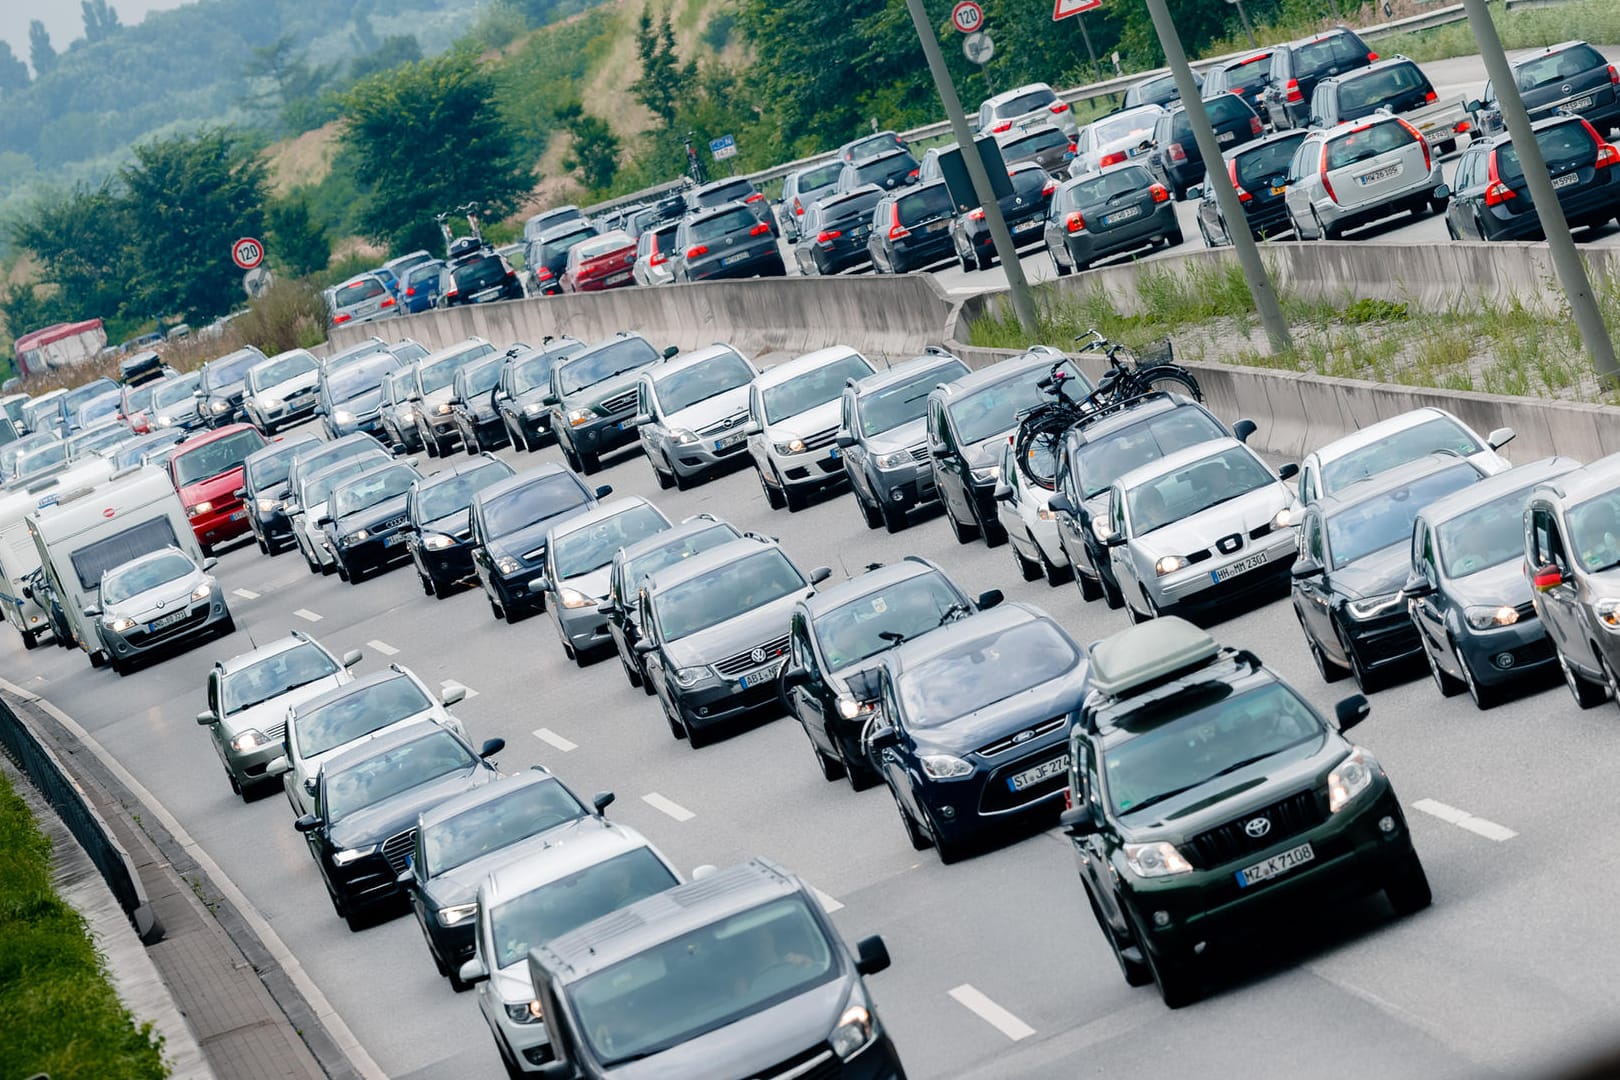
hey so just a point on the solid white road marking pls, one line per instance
(667, 806)
(247, 594)
(828, 904)
(382, 647)
(1490, 830)
(970, 998)
(546, 735)
(305, 613)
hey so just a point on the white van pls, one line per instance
(91, 531)
(18, 556)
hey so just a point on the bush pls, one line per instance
(290, 315)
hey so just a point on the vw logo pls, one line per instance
(1018, 201)
(1257, 827)
(758, 656)
(1023, 736)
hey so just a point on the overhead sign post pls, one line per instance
(1064, 9)
(1244, 15)
(968, 17)
(247, 253)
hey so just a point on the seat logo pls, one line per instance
(1229, 544)
(758, 656)
(1257, 827)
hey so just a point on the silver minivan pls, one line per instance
(1360, 171)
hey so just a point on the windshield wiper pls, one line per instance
(954, 611)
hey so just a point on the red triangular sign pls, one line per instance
(1064, 8)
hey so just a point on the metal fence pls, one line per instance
(35, 759)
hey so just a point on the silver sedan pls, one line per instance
(157, 601)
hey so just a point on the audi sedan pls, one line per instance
(156, 602)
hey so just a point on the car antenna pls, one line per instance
(249, 632)
(841, 565)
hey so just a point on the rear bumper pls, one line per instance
(1089, 246)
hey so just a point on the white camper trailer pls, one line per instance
(18, 556)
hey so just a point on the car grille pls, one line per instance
(997, 797)
(1001, 746)
(1526, 610)
(391, 523)
(820, 439)
(1226, 842)
(276, 732)
(723, 425)
(816, 1063)
(744, 661)
(920, 453)
(622, 403)
(397, 848)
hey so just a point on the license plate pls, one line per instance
(1029, 226)
(1242, 566)
(1277, 864)
(240, 515)
(763, 675)
(1565, 180)
(1021, 781)
(394, 541)
(617, 278)
(729, 441)
(938, 226)
(1225, 136)
(167, 620)
(1124, 215)
(1578, 104)
(1134, 151)
(1378, 174)
(733, 260)
(860, 233)
(1279, 189)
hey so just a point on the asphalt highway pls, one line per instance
(999, 970)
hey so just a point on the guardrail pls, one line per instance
(1428, 20)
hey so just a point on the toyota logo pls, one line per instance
(1257, 827)
(758, 656)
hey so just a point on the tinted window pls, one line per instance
(522, 812)
(1368, 142)
(843, 207)
(1594, 531)
(438, 374)
(1248, 74)
(817, 387)
(558, 246)
(925, 202)
(1378, 522)
(1365, 93)
(600, 245)
(129, 580)
(1099, 189)
(361, 492)
(606, 361)
(736, 191)
(820, 176)
(1336, 50)
(1561, 145)
(1556, 67)
(580, 551)
(1177, 495)
(903, 402)
(356, 291)
(1027, 102)
(1226, 109)
(454, 494)
(481, 273)
(651, 562)
(275, 675)
(1030, 145)
(1441, 433)
(991, 410)
(570, 902)
(735, 589)
(739, 219)
(1483, 537)
(850, 634)
(534, 369)
(360, 377)
(1098, 464)
(215, 458)
(1256, 169)
(534, 502)
(1133, 126)
(229, 369)
(700, 382)
(357, 713)
(980, 673)
(369, 782)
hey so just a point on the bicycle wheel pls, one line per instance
(1038, 444)
(1171, 379)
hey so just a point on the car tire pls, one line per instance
(665, 480)
(1587, 694)
(872, 515)
(589, 464)
(1451, 230)
(1407, 889)
(1330, 671)
(832, 768)
(495, 607)
(515, 437)
(1133, 968)
(894, 518)
(471, 443)
(1203, 234)
(314, 567)
(949, 849)
(236, 788)
(1111, 595)
(1057, 264)
(355, 920)
(120, 668)
(1366, 681)
(793, 500)
(98, 658)
(859, 772)
(630, 673)
(570, 458)
(30, 639)
(1448, 684)
(1323, 232)
(1028, 570)
(431, 445)
(1611, 679)
(1175, 237)
(773, 497)
(681, 483)
(1090, 588)
(1054, 574)
(920, 839)
(697, 737)
(1175, 981)
(1483, 697)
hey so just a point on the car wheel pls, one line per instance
(30, 639)
(1057, 264)
(1366, 681)
(965, 534)
(1448, 685)
(1090, 588)
(120, 668)
(309, 561)
(1330, 671)
(570, 458)
(665, 480)
(1323, 232)
(1177, 986)
(588, 463)
(894, 518)
(676, 728)
(355, 920)
(1175, 237)
(1055, 575)
(681, 483)
(1611, 680)
(1111, 595)
(98, 658)
(1408, 887)
(631, 674)
(872, 515)
(431, 445)
(515, 437)
(695, 736)
(471, 443)
(858, 771)
(338, 905)
(831, 767)
(495, 606)
(1028, 570)
(1451, 230)
(236, 788)
(1128, 956)
(426, 583)
(920, 840)
(773, 497)
(1587, 694)
(793, 500)
(1482, 696)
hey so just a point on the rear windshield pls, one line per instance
(740, 219)
(1027, 102)
(889, 165)
(872, 146)
(1366, 143)
(602, 245)
(1099, 189)
(1556, 67)
(215, 458)
(579, 551)
(1034, 143)
(605, 362)
(981, 673)
(1225, 109)
(927, 202)
(559, 245)
(1248, 73)
(817, 387)
(820, 176)
(991, 410)
(356, 291)
(1561, 144)
(480, 273)
(1336, 50)
(725, 593)
(498, 823)
(892, 406)
(420, 274)
(844, 207)
(557, 907)
(1258, 167)
(736, 191)
(1161, 89)
(533, 503)
(1366, 93)
(1135, 125)
(858, 629)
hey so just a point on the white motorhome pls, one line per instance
(18, 556)
(97, 529)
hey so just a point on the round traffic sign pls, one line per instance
(978, 48)
(967, 16)
(247, 253)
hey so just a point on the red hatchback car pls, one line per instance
(602, 262)
(207, 471)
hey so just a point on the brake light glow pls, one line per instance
(1111, 159)
(912, 174)
(1005, 125)
(697, 251)
(798, 207)
(759, 230)
(1243, 195)
(1177, 153)
(543, 274)
(658, 258)
(1255, 127)
(1159, 193)
(897, 230)
(410, 290)
(1430, 96)
(1614, 76)
(1059, 106)
(976, 214)
(1074, 222)
(755, 197)
(1294, 95)
(1049, 188)
(1464, 126)
(1372, 58)
(827, 236)
(1607, 155)
(387, 303)
(341, 318)
(1074, 148)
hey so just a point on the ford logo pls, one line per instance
(1023, 736)
(1257, 827)
(758, 656)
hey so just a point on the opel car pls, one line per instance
(156, 602)
(692, 414)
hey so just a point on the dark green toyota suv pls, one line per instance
(1206, 797)
(594, 396)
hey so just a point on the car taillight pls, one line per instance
(387, 303)
(912, 174)
(1430, 96)
(1074, 149)
(544, 274)
(1327, 185)
(340, 318)
(1607, 155)
(452, 294)
(1464, 126)
(1372, 58)
(976, 214)
(1255, 126)
(897, 230)
(511, 274)
(1048, 188)
(697, 251)
(1614, 76)
(1231, 170)
(755, 197)
(1159, 193)
(827, 236)
(411, 291)
(1428, 162)
(1177, 153)
(1005, 125)
(798, 207)
(1059, 106)
(759, 230)
(1497, 193)
(1074, 222)
(657, 259)
(1111, 159)
(1292, 86)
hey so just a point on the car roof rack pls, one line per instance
(1143, 656)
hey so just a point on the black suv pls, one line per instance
(728, 241)
(438, 526)
(510, 520)
(1207, 797)
(1568, 79)
(545, 255)
(264, 487)
(1490, 198)
(834, 232)
(911, 229)
(1175, 160)
(1298, 66)
(472, 405)
(525, 384)
(482, 278)
(1024, 211)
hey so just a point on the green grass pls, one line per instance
(62, 1016)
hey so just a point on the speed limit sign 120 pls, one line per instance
(247, 253)
(967, 17)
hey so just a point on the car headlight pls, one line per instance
(944, 766)
(508, 565)
(199, 509)
(217, 407)
(519, 1012)
(792, 446)
(690, 676)
(251, 739)
(120, 624)
(438, 541)
(573, 598)
(359, 536)
(348, 855)
(442, 409)
(986, 475)
(1284, 518)
(456, 914)
(267, 506)
(856, 1029)
(344, 416)
(1489, 618)
(533, 408)
(271, 403)
(1351, 778)
(1168, 564)
(1158, 859)
(894, 460)
(165, 421)
(1044, 513)
(683, 437)
(1374, 606)
(202, 592)
(1607, 611)
(849, 708)
(577, 417)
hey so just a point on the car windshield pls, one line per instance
(452, 495)
(1363, 94)
(137, 398)
(1197, 745)
(991, 410)
(369, 490)
(1132, 126)
(1555, 67)
(815, 387)
(1440, 433)
(229, 369)
(687, 386)
(215, 458)
(1109, 185)
(31, 462)
(358, 712)
(555, 908)
(99, 408)
(734, 191)
(482, 273)
(438, 374)
(650, 562)
(135, 453)
(280, 369)
(132, 579)
(174, 391)
(1483, 537)
(535, 369)
(1028, 146)
(96, 439)
(1562, 145)
(737, 219)
(604, 362)
(702, 980)
(1382, 520)
(959, 682)
(354, 292)
(320, 485)
(523, 811)
(1257, 168)
(1363, 144)
(865, 627)
(886, 409)
(725, 593)
(1027, 102)
(273, 676)
(857, 204)
(481, 377)
(1194, 488)
(1097, 464)
(360, 377)
(579, 551)
(534, 502)
(1594, 531)
(369, 782)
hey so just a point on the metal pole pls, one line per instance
(1247, 29)
(1023, 302)
(1333, 5)
(1566, 260)
(1248, 253)
(1085, 36)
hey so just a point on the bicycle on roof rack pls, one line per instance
(1041, 428)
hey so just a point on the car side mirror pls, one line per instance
(206, 717)
(671, 350)
(604, 490)
(1059, 503)
(92, 611)
(1500, 437)
(1306, 568)
(1005, 493)
(1474, 105)
(323, 521)
(601, 801)
(453, 694)
(1077, 822)
(491, 747)
(352, 657)
(320, 410)
(1288, 471)
(398, 449)
(1243, 429)
(1196, 192)
(1547, 577)
(1441, 193)
(989, 599)
(549, 399)
(278, 766)
(539, 584)
(1351, 711)
(239, 493)
(883, 738)
(307, 824)
(845, 440)
(644, 647)
(820, 574)
(794, 676)
(871, 955)
(641, 419)
(1417, 587)
(209, 563)
(607, 607)
(473, 971)
(752, 428)
(1113, 540)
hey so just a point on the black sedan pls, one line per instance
(1354, 560)
(510, 520)
(370, 798)
(1105, 214)
(264, 491)
(1259, 171)
(438, 525)
(729, 241)
(835, 231)
(1024, 211)
(524, 385)
(1490, 197)
(975, 727)
(365, 525)
(841, 632)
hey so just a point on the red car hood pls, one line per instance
(216, 489)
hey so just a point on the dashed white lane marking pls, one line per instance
(546, 735)
(667, 806)
(448, 683)
(382, 647)
(1490, 830)
(305, 613)
(971, 998)
(828, 904)
(246, 594)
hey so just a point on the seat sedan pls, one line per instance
(1469, 598)
(579, 559)
(693, 410)
(156, 602)
(974, 733)
(1200, 528)
(1115, 139)
(438, 526)
(510, 521)
(365, 525)
(1107, 214)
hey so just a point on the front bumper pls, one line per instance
(692, 459)
(1195, 586)
(985, 801)
(248, 765)
(1506, 654)
(513, 592)
(444, 565)
(528, 1045)
(904, 487)
(1385, 641)
(376, 550)
(1088, 246)
(812, 468)
(603, 434)
(584, 628)
(366, 881)
(202, 617)
(220, 524)
(716, 700)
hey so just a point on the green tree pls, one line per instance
(187, 198)
(396, 49)
(13, 72)
(81, 239)
(662, 74)
(594, 149)
(29, 306)
(41, 53)
(100, 20)
(290, 76)
(427, 138)
(296, 241)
